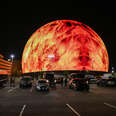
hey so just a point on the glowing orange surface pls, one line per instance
(6, 72)
(4, 61)
(65, 45)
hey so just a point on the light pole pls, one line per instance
(11, 78)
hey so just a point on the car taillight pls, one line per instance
(47, 81)
(86, 82)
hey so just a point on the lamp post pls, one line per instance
(12, 57)
(11, 78)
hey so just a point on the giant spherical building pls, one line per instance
(65, 45)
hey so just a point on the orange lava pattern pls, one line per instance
(65, 45)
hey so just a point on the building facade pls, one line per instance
(5, 66)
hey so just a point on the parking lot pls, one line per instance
(62, 101)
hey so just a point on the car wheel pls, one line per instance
(47, 90)
(21, 86)
(70, 87)
(1, 85)
(87, 89)
(78, 88)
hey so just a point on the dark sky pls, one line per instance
(21, 19)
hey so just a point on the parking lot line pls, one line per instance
(73, 110)
(110, 105)
(22, 110)
(12, 89)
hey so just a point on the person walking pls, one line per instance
(61, 82)
(12, 82)
(65, 82)
(33, 84)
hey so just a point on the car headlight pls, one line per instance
(38, 87)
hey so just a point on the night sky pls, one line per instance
(21, 19)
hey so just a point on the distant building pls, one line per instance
(5, 66)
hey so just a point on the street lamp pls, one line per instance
(10, 80)
(12, 56)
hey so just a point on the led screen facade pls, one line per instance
(64, 45)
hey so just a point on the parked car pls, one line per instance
(58, 80)
(3, 80)
(78, 82)
(111, 82)
(26, 82)
(92, 80)
(42, 85)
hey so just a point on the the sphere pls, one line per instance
(65, 45)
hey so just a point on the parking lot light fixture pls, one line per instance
(12, 57)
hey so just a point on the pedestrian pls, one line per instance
(10, 81)
(13, 82)
(34, 83)
(65, 82)
(61, 82)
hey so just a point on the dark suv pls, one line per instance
(50, 77)
(111, 82)
(78, 82)
(25, 82)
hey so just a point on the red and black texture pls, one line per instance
(73, 45)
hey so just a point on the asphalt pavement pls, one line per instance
(62, 101)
